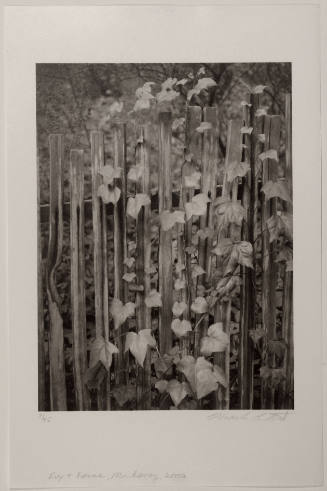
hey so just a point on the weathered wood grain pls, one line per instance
(77, 249)
(56, 339)
(165, 240)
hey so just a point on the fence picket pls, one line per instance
(165, 245)
(120, 244)
(287, 316)
(56, 337)
(77, 276)
(100, 256)
(143, 264)
(269, 267)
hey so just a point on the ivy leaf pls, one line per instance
(237, 169)
(129, 261)
(179, 284)
(276, 189)
(167, 95)
(199, 306)
(197, 271)
(187, 366)
(269, 154)
(161, 386)
(245, 253)
(220, 376)
(246, 130)
(135, 204)
(265, 372)
(179, 308)
(109, 173)
(206, 379)
(201, 71)
(197, 206)
(177, 391)
(227, 286)
(137, 344)
(277, 347)
(121, 312)
(135, 172)
(193, 180)
(257, 334)
(168, 219)
(177, 123)
(203, 84)
(181, 328)
(102, 350)
(223, 247)
(258, 89)
(230, 211)
(153, 299)
(124, 393)
(116, 107)
(261, 111)
(245, 103)
(179, 267)
(144, 97)
(216, 340)
(129, 277)
(285, 254)
(261, 137)
(275, 227)
(204, 126)
(183, 81)
(205, 233)
(108, 195)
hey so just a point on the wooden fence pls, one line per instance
(257, 362)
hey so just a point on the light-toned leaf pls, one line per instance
(137, 344)
(204, 126)
(261, 111)
(135, 172)
(168, 219)
(161, 385)
(197, 206)
(230, 211)
(200, 305)
(179, 267)
(181, 327)
(177, 391)
(197, 270)
(193, 180)
(102, 350)
(246, 130)
(177, 123)
(129, 277)
(179, 308)
(269, 154)
(135, 204)
(245, 103)
(108, 195)
(258, 89)
(216, 340)
(220, 376)
(109, 173)
(237, 169)
(179, 284)
(276, 189)
(129, 261)
(183, 81)
(153, 299)
(261, 138)
(121, 312)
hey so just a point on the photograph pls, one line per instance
(165, 236)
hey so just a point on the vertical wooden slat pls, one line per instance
(41, 351)
(248, 275)
(223, 310)
(56, 338)
(269, 267)
(165, 244)
(209, 163)
(100, 255)
(120, 243)
(193, 144)
(287, 316)
(77, 275)
(143, 263)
